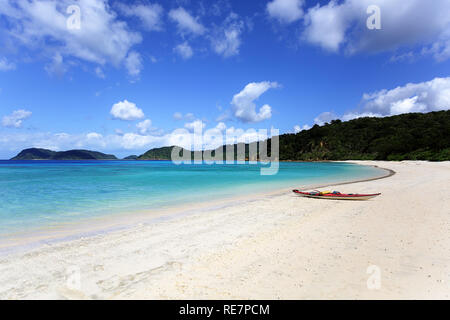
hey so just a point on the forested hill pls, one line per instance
(413, 136)
(45, 154)
(163, 153)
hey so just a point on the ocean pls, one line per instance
(44, 193)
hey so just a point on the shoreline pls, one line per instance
(26, 241)
(273, 247)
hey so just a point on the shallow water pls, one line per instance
(41, 193)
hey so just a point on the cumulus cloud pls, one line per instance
(186, 23)
(337, 26)
(125, 110)
(150, 15)
(184, 50)
(226, 39)
(433, 95)
(15, 119)
(326, 26)
(285, 11)
(144, 126)
(195, 126)
(42, 25)
(93, 136)
(5, 65)
(243, 104)
(221, 126)
(93, 139)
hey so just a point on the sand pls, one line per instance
(396, 246)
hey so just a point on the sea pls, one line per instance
(36, 194)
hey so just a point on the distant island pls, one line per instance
(412, 136)
(45, 154)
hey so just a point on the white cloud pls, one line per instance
(186, 23)
(133, 63)
(342, 25)
(184, 50)
(286, 11)
(57, 66)
(136, 141)
(178, 116)
(356, 115)
(94, 135)
(298, 128)
(433, 95)
(324, 117)
(93, 140)
(144, 126)
(188, 116)
(221, 126)
(5, 65)
(42, 26)
(326, 26)
(195, 126)
(225, 116)
(440, 49)
(16, 118)
(150, 15)
(227, 39)
(407, 105)
(125, 110)
(243, 104)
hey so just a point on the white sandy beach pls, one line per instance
(277, 247)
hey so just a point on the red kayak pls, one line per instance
(335, 195)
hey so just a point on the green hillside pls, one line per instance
(44, 154)
(163, 153)
(413, 136)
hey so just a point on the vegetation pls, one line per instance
(132, 157)
(413, 136)
(44, 154)
(163, 153)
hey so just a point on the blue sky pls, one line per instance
(135, 71)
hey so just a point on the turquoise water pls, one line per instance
(39, 193)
